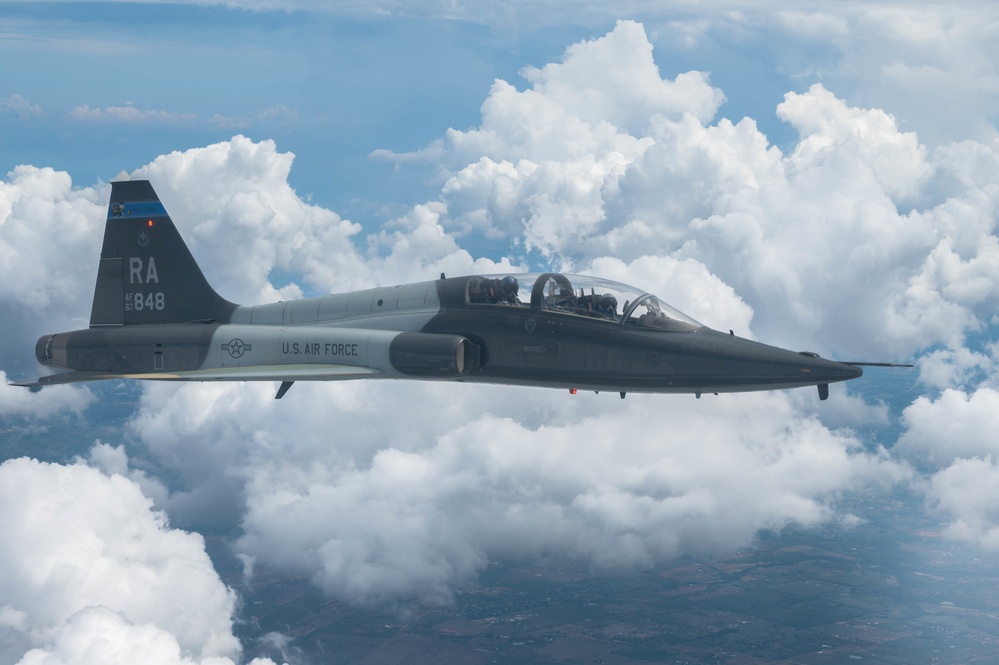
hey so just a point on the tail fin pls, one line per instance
(147, 274)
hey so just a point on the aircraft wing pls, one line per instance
(312, 372)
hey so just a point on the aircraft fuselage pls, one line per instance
(154, 316)
(429, 330)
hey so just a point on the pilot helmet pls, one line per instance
(510, 284)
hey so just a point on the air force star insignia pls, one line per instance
(236, 347)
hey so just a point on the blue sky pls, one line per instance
(822, 177)
(331, 88)
(332, 84)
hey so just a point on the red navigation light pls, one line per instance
(149, 223)
(572, 391)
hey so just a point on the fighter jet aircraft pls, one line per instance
(155, 316)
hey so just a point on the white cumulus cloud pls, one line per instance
(858, 238)
(374, 508)
(953, 426)
(76, 539)
(50, 238)
(966, 492)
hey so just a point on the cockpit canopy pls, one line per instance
(578, 295)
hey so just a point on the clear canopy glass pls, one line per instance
(579, 295)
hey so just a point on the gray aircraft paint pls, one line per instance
(155, 316)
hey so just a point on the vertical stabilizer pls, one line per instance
(147, 274)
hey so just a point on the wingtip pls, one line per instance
(33, 386)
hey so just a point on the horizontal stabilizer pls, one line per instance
(65, 377)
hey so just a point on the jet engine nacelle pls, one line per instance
(427, 355)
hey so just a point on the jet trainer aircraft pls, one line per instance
(155, 316)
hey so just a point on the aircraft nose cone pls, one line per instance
(810, 367)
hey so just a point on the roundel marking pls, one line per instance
(237, 347)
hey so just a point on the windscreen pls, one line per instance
(579, 295)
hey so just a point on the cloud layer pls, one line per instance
(858, 240)
(84, 553)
